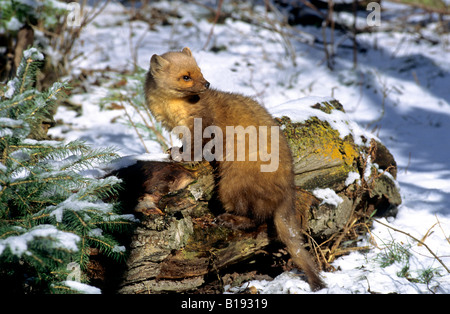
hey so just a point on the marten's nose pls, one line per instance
(207, 84)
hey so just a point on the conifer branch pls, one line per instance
(45, 201)
(83, 223)
(22, 87)
(14, 104)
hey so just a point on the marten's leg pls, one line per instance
(236, 222)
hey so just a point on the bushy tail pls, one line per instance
(289, 231)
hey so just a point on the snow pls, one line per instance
(11, 88)
(300, 110)
(81, 287)
(352, 177)
(127, 161)
(19, 244)
(42, 142)
(328, 196)
(398, 93)
(10, 123)
(119, 249)
(361, 272)
(14, 24)
(73, 204)
(34, 54)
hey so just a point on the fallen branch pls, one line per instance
(179, 246)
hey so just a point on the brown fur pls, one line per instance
(176, 93)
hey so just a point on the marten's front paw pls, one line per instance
(235, 222)
(175, 157)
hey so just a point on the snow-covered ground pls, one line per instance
(400, 91)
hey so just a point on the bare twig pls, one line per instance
(439, 224)
(134, 49)
(314, 8)
(417, 240)
(331, 22)
(385, 91)
(319, 253)
(427, 234)
(135, 127)
(355, 45)
(290, 50)
(408, 164)
(159, 137)
(63, 38)
(329, 46)
(216, 19)
(346, 229)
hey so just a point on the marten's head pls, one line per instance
(177, 73)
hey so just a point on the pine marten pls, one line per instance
(177, 94)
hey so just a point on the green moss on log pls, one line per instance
(321, 157)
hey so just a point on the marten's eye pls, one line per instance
(187, 78)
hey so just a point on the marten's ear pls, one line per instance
(157, 63)
(187, 51)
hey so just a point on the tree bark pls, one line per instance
(179, 247)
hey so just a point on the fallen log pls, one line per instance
(343, 177)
